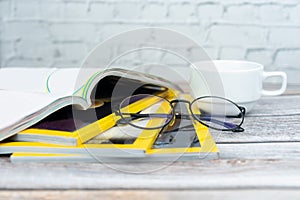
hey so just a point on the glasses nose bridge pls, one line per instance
(180, 101)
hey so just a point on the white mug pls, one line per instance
(239, 81)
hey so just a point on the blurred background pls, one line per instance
(59, 33)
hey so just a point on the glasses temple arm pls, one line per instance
(233, 127)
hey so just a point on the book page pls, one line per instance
(25, 79)
(17, 106)
(69, 81)
(63, 81)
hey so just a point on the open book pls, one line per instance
(27, 96)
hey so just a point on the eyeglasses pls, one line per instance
(214, 112)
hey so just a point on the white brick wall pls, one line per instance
(59, 33)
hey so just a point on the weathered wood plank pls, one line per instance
(240, 171)
(277, 105)
(272, 119)
(288, 150)
(292, 89)
(263, 129)
(152, 194)
(256, 158)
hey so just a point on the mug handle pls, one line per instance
(283, 84)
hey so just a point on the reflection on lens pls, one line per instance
(157, 111)
(217, 113)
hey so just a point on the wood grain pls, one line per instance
(152, 194)
(278, 105)
(265, 156)
(214, 174)
(273, 119)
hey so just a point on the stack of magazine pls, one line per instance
(67, 115)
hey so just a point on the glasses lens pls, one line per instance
(217, 113)
(146, 111)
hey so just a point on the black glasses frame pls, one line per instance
(173, 115)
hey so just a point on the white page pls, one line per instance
(69, 80)
(26, 91)
(63, 81)
(25, 79)
(16, 105)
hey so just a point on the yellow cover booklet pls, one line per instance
(201, 147)
(64, 132)
(145, 145)
(137, 147)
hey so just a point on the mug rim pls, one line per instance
(253, 66)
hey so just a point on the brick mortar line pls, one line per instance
(144, 22)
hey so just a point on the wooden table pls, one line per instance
(261, 162)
